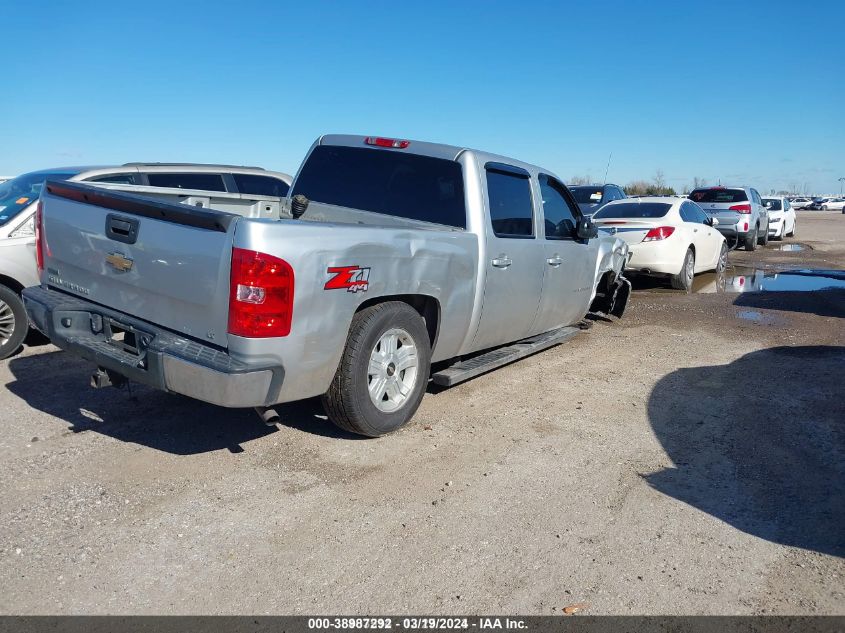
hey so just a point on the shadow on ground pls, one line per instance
(829, 302)
(759, 443)
(57, 383)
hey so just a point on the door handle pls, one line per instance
(502, 261)
(554, 261)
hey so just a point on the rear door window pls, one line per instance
(718, 195)
(559, 214)
(253, 184)
(509, 194)
(205, 182)
(393, 183)
(120, 179)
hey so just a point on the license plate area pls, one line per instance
(126, 338)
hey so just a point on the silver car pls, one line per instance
(743, 218)
(18, 197)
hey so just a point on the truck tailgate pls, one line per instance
(163, 263)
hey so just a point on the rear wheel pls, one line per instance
(13, 322)
(751, 239)
(722, 262)
(683, 280)
(763, 239)
(383, 372)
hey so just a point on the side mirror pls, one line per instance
(713, 222)
(586, 230)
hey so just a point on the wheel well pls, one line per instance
(14, 284)
(428, 308)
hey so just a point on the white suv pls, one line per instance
(18, 197)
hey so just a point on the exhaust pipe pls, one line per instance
(268, 415)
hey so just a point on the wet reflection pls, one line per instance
(738, 279)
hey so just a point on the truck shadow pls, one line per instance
(759, 443)
(57, 384)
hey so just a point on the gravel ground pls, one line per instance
(681, 460)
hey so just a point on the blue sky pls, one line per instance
(750, 93)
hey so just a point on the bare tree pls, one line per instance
(581, 180)
(698, 182)
(659, 180)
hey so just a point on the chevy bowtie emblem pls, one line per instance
(119, 262)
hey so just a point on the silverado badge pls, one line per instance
(119, 262)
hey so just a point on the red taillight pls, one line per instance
(39, 236)
(742, 208)
(378, 141)
(260, 295)
(659, 233)
(745, 226)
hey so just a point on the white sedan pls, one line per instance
(666, 236)
(834, 204)
(781, 217)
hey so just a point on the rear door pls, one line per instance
(160, 262)
(703, 235)
(568, 264)
(514, 263)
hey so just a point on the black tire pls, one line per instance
(683, 280)
(347, 401)
(11, 308)
(765, 237)
(722, 262)
(751, 240)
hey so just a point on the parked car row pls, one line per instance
(247, 288)
(818, 203)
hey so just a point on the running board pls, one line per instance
(488, 361)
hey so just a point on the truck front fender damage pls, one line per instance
(612, 289)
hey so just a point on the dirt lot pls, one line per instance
(686, 459)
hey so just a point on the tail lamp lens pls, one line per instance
(742, 208)
(659, 233)
(260, 295)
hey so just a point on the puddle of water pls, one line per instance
(756, 280)
(790, 247)
(740, 279)
(756, 317)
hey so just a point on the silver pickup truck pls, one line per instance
(387, 256)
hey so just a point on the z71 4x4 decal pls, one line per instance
(351, 278)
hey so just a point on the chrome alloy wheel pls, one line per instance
(393, 370)
(7, 322)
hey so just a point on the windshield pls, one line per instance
(718, 195)
(586, 195)
(773, 204)
(633, 210)
(18, 193)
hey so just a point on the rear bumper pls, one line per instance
(154, 356)
(660, 257)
